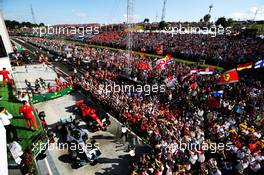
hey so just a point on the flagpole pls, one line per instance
(129, 34)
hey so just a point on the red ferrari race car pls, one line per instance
(94, 121)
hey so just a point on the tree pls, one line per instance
(230, 22)
(12, 24)
(207, 18)
(223, 22)
(146, 20)
(162, 25)
(15, 24)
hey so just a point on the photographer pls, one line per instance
(5, 117)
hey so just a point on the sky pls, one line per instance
(114, 11)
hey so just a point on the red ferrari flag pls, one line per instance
(244, 66)
(230, 76)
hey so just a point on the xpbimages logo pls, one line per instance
(129, 89)
(213, 30)
(81, 147)
(68, 30)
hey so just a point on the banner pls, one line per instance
(259, 64)
(206, 71)
(218, 93)
(51, 95)
(241, 67)
(161, 64)
(230, 76)
(169, 59)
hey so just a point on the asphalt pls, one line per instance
(114, 159)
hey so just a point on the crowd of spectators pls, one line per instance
(191, 117)
(225, 49)
(107, 38)
(190, 130)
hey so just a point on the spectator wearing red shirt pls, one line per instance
(5, 74)
(27, 111)
(58, 81)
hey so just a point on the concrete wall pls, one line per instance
(115, 129)
(4, 35)
(5, 62)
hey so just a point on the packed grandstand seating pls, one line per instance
(224, 50)
(229, 50)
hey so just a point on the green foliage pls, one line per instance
(146, 20)
(224, 22)
(258, 27)
(207, 18)
(12, 24)
(162, 25)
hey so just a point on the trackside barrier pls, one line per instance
(52, 95)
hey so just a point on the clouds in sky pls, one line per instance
(250, 13)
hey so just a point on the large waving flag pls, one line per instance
(169, 59)
(206, 71)
(244, 66)
(161, 63)
(193, 71)
(191, 74)
(230, 76)
(218, 93)
(259, 64)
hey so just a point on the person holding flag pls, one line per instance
(5, 73)
(169, 59)
(85, 55)
(162, 63)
